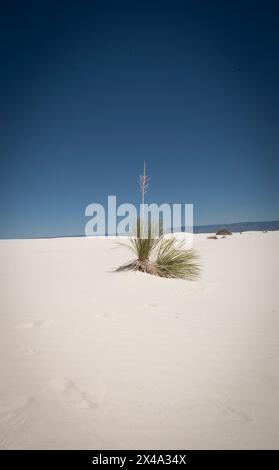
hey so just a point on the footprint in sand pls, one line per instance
(70, 394)
(192, 288)
(32, 351)
(198, 287)
(112, 314)
(150, 306)
(5, 443)
(18, 420)
(107, 315)
(234, 413)
(34, 324)
(9, 403)
(29, 351)
(12, 410)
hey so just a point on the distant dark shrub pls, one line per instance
(223, 231)
(212, 237)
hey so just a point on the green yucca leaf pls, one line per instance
(175, 261)
(164, 257)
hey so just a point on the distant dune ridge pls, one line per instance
(91, 358)
(238, 227)
(234, 227)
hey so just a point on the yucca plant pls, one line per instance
(156, 254)
(163, 257)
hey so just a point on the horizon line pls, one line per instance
(229, 225)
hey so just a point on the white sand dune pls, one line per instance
(96, 359)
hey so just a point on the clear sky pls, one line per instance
(89, 89)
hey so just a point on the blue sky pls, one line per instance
(89, 89)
